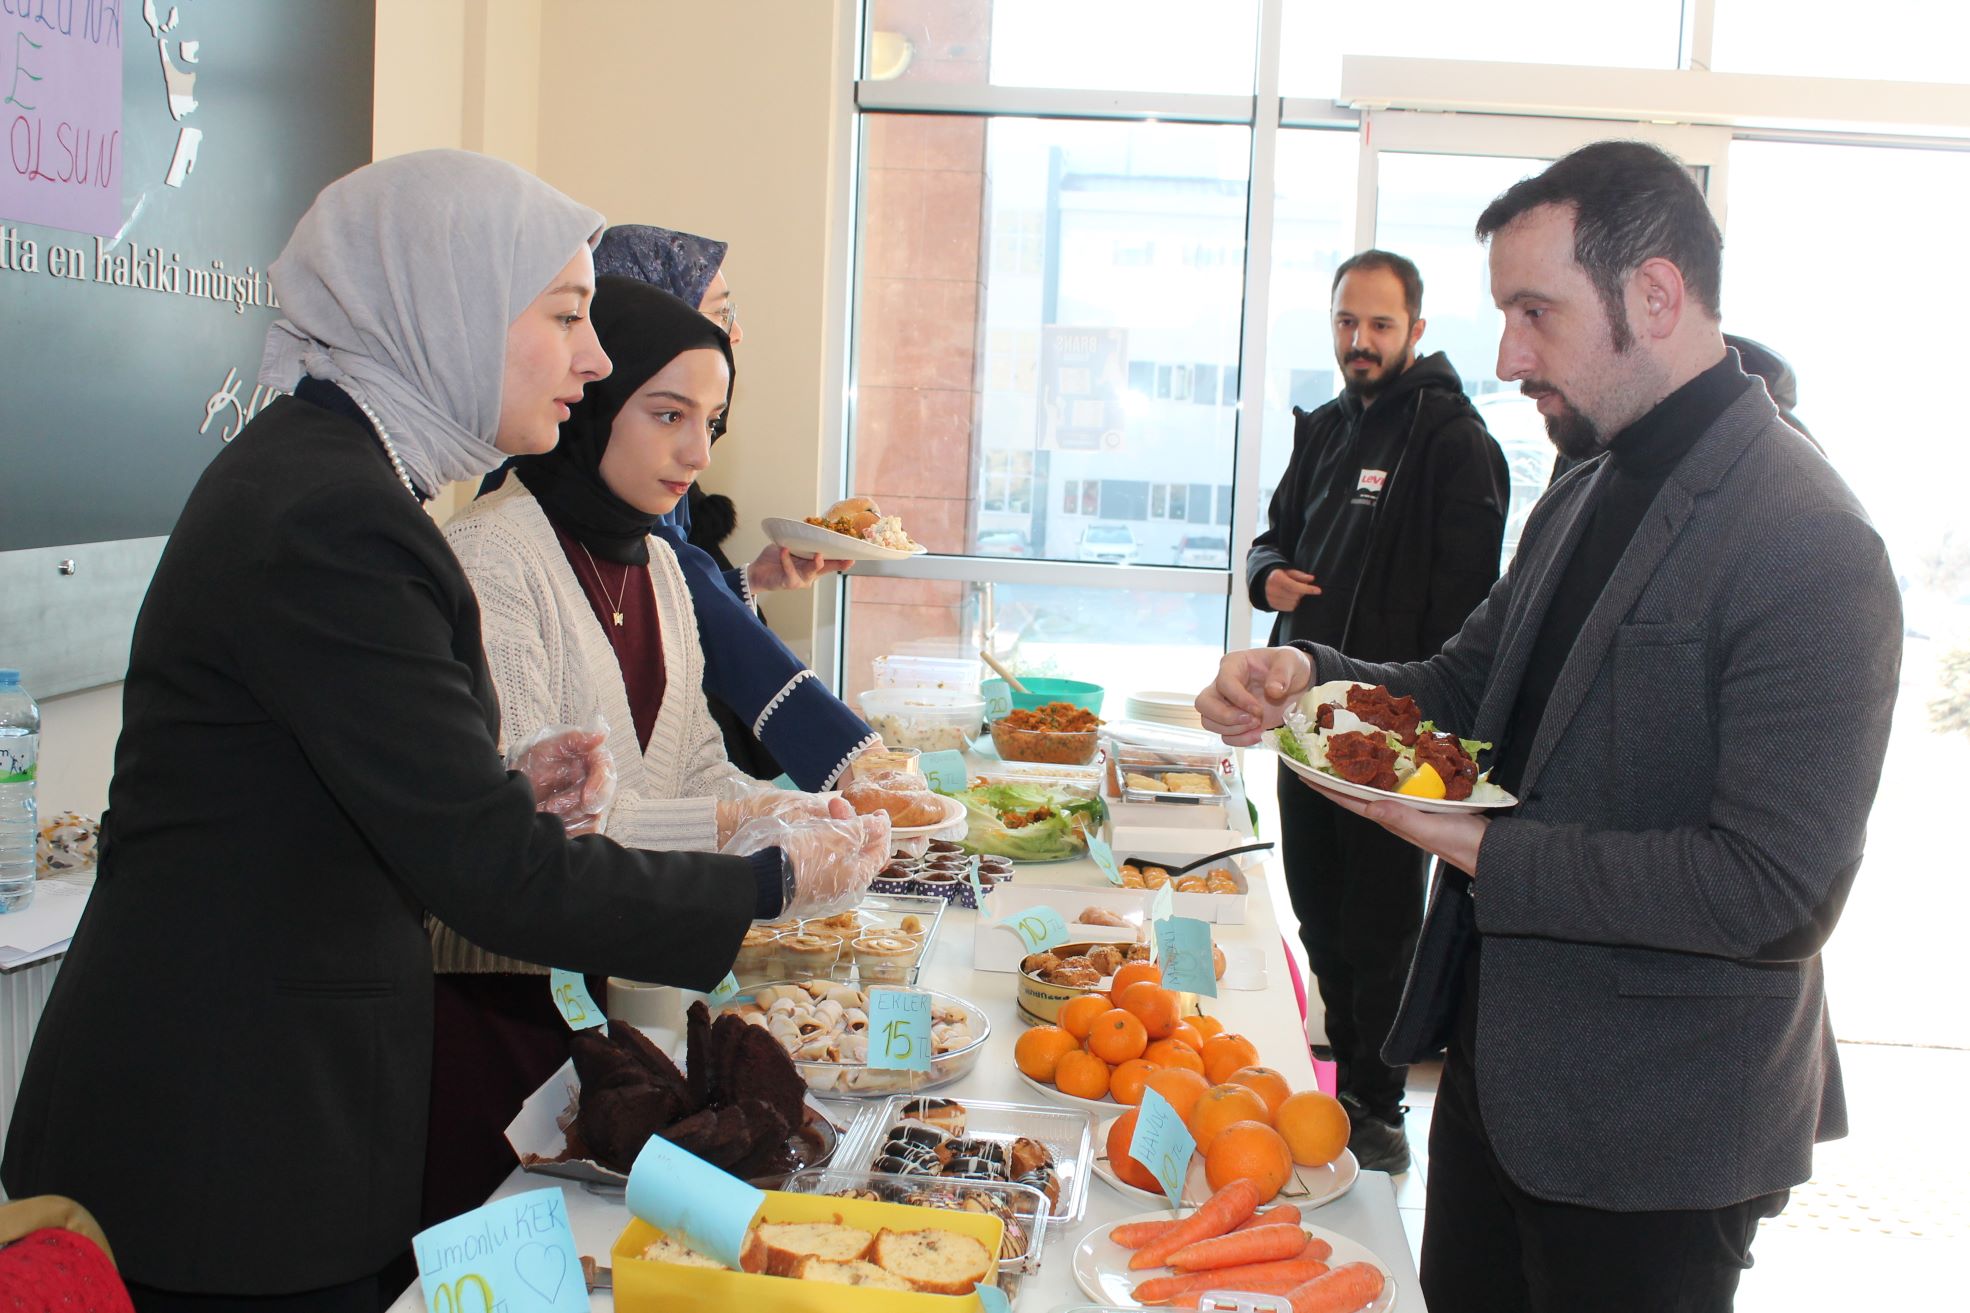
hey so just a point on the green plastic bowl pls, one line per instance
(999, 697)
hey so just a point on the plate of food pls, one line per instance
(850, 530)
(1160, 1257)
(1362, 741)
(1309, 1187)
(1030, 822)
(913, 809)
(823, 1025)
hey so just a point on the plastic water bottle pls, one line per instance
(20, 751)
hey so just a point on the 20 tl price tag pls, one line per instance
(899, 1029)
(1162, 1144)
(1039, 928)
(572, 998)
(515, 1253)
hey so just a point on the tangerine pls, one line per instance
(1129, 973)
(1249, 1151)
(1206, 1026)
(1078, 1015)
(1180, 1086)
(1315, 1127)
(1116, 1037)
(1169, 1053)
(1082, 1075)
(1127, 1169)
(1220, 1106)
(1224, 1054)
(1152, 1005)
(1266, 1083)
(1038, 1051)
(1125, 1083)
(1188, 1036)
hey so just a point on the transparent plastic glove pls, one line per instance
(832, 861)
(738, 805)
(572, 771)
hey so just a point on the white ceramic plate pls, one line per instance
(810, 540)
(1334, 784)
(1103, 1107)
(1310, 1187)
(954, 812)
(1101, 1267)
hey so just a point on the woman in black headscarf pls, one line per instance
(586, 615)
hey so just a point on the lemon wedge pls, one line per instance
(1425, 783)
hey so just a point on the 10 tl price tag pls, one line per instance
(899, 1029)
(1039, 928)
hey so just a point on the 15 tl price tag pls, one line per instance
(1163, 1145)
(1183, 950)
(684, 1196)
(571, 996)
(899, 1029)
(944, 771)
(1039, 928)
(516, 1253)
(1104, 857)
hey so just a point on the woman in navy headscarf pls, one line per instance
(775, 713)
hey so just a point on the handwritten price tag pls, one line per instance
(992, 1299)
(1164, 904)
(945, 771)
(682, 1195)
(899, 1029)
(724, 991)
(571, 996)
(1039, 928)
(1104, 857)
(516, 1253)
(1183, 950)
(977, 888)
(1163, 1145)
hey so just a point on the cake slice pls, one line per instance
(855, 1273)
(778, 1248)
(935, 1262)
(667, 1250)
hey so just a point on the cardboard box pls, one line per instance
(642, 1286)
(994, 948)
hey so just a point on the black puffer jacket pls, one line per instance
(1430, 553)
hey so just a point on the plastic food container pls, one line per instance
(910, 670)
(1041, 690)
(1056, 746)
(1067, 1133)
(1021, 1208)
(846, 1079)
(927, 719)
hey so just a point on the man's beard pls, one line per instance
(1576, 436)
(1367, 387)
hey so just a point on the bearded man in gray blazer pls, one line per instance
(1688, 671)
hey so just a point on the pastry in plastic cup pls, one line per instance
(885, 959)
(876, 760)
(808, 957)
(759, 956)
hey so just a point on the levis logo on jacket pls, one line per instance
(1369, 487)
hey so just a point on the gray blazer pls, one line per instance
(1652, 1029)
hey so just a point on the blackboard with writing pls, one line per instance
(137, 220)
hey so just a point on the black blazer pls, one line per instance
(233, 1071)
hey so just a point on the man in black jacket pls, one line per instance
(1382, 537)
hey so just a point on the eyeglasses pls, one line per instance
(726, 316)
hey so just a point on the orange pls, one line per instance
(1181, 1087)
(1250, 1151)
(1188, 1036)
(1117, 1036)
(1206, 1026)
(1079, 1014)
(1126, 1168)
(1315, 1126)
(1129, 973)
(1220, 1106)
(1169, 1053)
(1264, 1082)
(1081, 1074)
(1127, 1080)
(1038, 1051)
(1224, 1054)
(1152, 1005)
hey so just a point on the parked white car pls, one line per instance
(1210, 550)
(1114, 544)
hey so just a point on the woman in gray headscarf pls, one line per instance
(233, 1069)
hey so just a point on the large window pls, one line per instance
(1894, 40)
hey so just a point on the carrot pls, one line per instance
(1347, 1288)
(1244, 1286)
(1293, 1271)
(1134, 1235)
(1218, 1214)
(1263, 1244)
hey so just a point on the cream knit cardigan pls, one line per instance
(552, 665)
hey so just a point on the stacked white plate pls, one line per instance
(1165, 708)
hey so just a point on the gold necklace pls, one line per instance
(615, 607)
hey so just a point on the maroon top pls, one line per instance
(613, 589)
